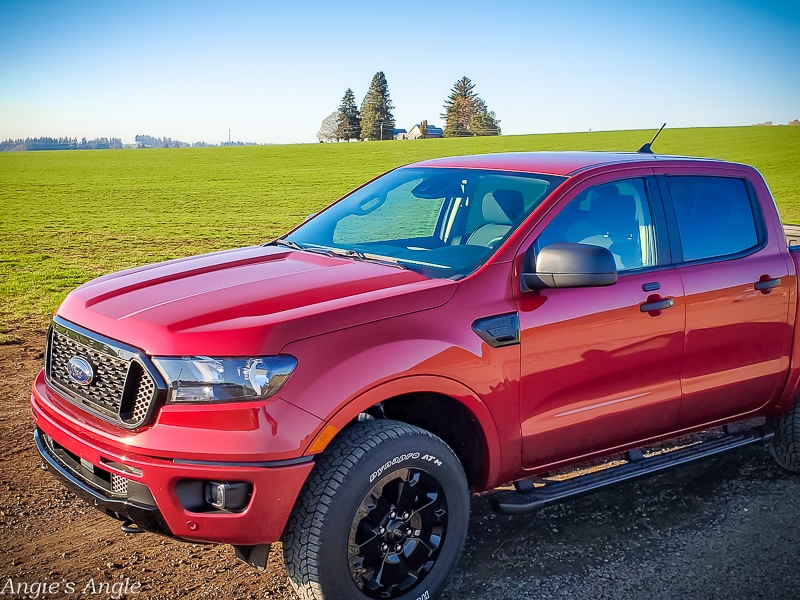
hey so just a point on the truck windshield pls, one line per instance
(440, 222)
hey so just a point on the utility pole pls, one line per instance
(229, 136)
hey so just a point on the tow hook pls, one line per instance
(131, 527)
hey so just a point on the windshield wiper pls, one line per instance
(357, 255)
(375, 258)
(286, 243)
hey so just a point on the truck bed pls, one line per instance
(792, 233)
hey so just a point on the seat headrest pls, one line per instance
(502, 206)
(611, 210)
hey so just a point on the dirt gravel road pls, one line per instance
(727, 528)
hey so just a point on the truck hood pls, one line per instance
(249, 301)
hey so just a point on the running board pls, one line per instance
(527, 498)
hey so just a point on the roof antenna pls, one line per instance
(646, 148)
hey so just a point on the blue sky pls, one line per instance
(272, 71)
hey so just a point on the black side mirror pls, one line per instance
(567, 265)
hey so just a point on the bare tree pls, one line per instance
(328, 131)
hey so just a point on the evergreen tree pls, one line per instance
(484, 123)
(466, 113)
(349, 125)
(377, 121)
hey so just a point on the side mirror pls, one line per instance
(567, 265)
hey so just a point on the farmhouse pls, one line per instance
(432, 132)
(417, 132)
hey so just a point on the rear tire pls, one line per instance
(786, 443)
(384, 514)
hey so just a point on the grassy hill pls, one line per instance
(73, 215)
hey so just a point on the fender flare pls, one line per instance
(416, 384)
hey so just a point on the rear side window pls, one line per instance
(715, 216)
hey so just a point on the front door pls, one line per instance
(599, 369)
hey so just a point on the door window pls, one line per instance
(715, 216)
(613, 215)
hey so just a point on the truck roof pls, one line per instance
(550, 163)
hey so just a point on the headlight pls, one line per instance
(204, 379)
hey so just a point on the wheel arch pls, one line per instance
(444, 407)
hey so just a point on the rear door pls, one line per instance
(598, 369)
(737, 295)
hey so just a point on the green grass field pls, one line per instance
(70, 216)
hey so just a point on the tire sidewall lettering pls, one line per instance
(401, 458)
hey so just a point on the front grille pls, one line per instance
(121, 389)
(105, 392)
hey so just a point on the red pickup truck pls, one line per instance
(449, 327)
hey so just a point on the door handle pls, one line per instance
(767, 285)
(657, 305)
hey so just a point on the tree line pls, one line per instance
(60, 143)
(69, 143)
(465, 114)
(148, 141)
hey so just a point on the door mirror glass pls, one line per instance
(568, 265)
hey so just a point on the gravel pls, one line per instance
(728, 527)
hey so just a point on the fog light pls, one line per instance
(227, 495)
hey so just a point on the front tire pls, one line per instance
(384, 514)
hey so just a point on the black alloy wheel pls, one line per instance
(397, 533)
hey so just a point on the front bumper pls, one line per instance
(160, 494)
(143, 514)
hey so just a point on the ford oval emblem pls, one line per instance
(80, 371)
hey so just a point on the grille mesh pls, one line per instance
(105, 392)
(119, 485)
(121, 390)
(144, 395)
